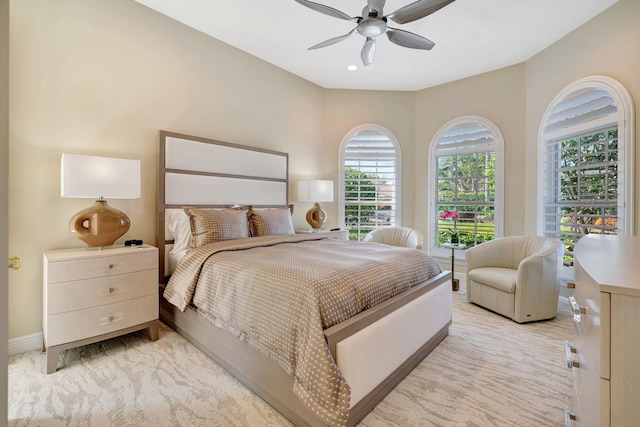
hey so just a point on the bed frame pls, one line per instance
(374, 350)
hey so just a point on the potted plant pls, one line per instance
(453, 216)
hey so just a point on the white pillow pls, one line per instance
(180, 227)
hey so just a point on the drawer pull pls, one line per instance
(110, 291)
(110, 319)
(111, 266)
(576, 310)
(569, 350)
(569, 416)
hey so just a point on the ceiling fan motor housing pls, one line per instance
(372, 26)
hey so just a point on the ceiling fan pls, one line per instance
(373, 23)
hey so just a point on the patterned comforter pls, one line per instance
(278, 294)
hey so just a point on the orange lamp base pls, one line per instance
(316, 216)
(100, 225)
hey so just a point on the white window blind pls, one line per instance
(370, 182)
(583, 168)
(466, 137)
(583, 110)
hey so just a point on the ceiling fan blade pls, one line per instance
(333, 40)
(376, 5)
(417, 10)
(326, 10)
(410, 40)
(368, 51)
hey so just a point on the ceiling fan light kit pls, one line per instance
(374, 23)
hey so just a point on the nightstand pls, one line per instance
(90, 295)
(334, 234)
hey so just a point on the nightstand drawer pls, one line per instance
(81, 324)
(87, 293)
(78, 269)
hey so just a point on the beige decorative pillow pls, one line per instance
(215, 225)
(266, 222)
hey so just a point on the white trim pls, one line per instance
(25, 343)
(626, 141)
(341, 159)
(499, 178)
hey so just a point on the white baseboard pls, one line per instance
(25, 343)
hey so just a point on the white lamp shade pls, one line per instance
(315, 190)
(94, 177)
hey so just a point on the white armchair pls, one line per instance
(396, 236)
(516, 276)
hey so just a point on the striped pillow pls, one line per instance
(266, 222)
(215, 225)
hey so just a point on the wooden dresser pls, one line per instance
(605, 353)
(91, 295)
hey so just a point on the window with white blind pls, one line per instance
(370, 181)
(466, 179)
(586, 155)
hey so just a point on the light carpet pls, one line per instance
(489, 371)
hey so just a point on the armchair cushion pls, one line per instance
(503, 279)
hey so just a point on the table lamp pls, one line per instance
(315, 190)
(98, 178)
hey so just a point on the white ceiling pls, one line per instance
(471, 37)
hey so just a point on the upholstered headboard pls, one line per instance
(194, 171)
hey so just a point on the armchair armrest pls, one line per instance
(548, 261)
(537, 282)
(477, 257)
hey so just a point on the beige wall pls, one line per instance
(102, 78)
(607, 45)
(4, 198)
(497, 96)
(347, 109)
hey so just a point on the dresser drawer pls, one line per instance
(90, 322)
(592, 320)
(86, 268)
(87, 293)
(592, 392)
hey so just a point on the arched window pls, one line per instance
(370, 184)
(586, 143)
(466, 179)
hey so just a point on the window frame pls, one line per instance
(432, 238)
(625, 119)
(398, 171)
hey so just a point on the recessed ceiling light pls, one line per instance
(352, 67)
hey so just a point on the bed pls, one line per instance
(351, 359)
